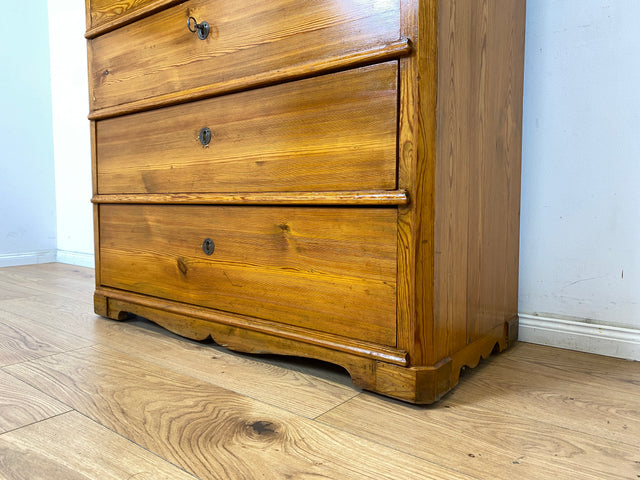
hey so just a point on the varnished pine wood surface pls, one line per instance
(331, 133)
(83, 397)
(340, 260)
(372, 197)
(158, 55)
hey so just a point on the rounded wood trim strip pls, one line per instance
(374, 197)
(321, 339)
(357, 59)
(130, 17)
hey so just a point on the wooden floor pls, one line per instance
(82, 397)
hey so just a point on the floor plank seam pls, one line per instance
(356, 393)
(38, 421)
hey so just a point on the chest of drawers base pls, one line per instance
(332, 179)
(371, 366)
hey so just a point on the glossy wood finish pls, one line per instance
(336, 132)
(355, 198)
(341, 261)
(106, 15)
(460, 164)
(410, 114)
(158, 54)
(477, 174)
(379, 53)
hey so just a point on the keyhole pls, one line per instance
(205, 136)
(208, 246)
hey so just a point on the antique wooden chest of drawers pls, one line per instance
(335, 179)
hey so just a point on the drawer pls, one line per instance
(102, 11)
(335, 132)
(159, 55)
(326, 269)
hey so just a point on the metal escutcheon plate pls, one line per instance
(208, 246)
(205, 136)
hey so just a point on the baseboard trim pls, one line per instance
(47, 256)
(27, 258)
(581, 336)
(76, 258)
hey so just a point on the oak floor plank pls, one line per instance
(207, 430)
(284, 383)
(300, 386)
(75, 283)
(587, 368)
(60, 313)
(581, 403)
(72, 447)
(22, 340)
(11, 290)
(21, 404)
(484, 443)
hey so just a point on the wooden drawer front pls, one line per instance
(102, 11)
(159, 55)
(336, 132)
(326, 269)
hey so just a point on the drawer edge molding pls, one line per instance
(361, 58)
(129, 17)
(320, 339)
(372, 197)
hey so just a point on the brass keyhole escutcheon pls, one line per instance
(208, 246)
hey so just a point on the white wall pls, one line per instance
(580, 217)
(72, 148)
(27, 189)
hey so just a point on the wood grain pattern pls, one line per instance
(478, 169)
(303, 388)
(342, 261)
(295, 385)
(247, 37)
(330, 133)
(487, 443)
(211, 432)
(606, 372)
(21, 404)
(72, 447)
(310, 68)
(376, 198)
(49, 279)
(614, 416)
(22, 341)
(416, 165)
(266, 336)
(106, 15)
(531, 412)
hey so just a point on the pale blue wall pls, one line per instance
(27, 185)
(580, 218)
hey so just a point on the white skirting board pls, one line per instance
(27, 258)
(47, 256)
(581, 336)
(76, 258)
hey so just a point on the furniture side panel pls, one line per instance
(480, 67)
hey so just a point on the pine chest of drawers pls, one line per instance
(335, 179)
